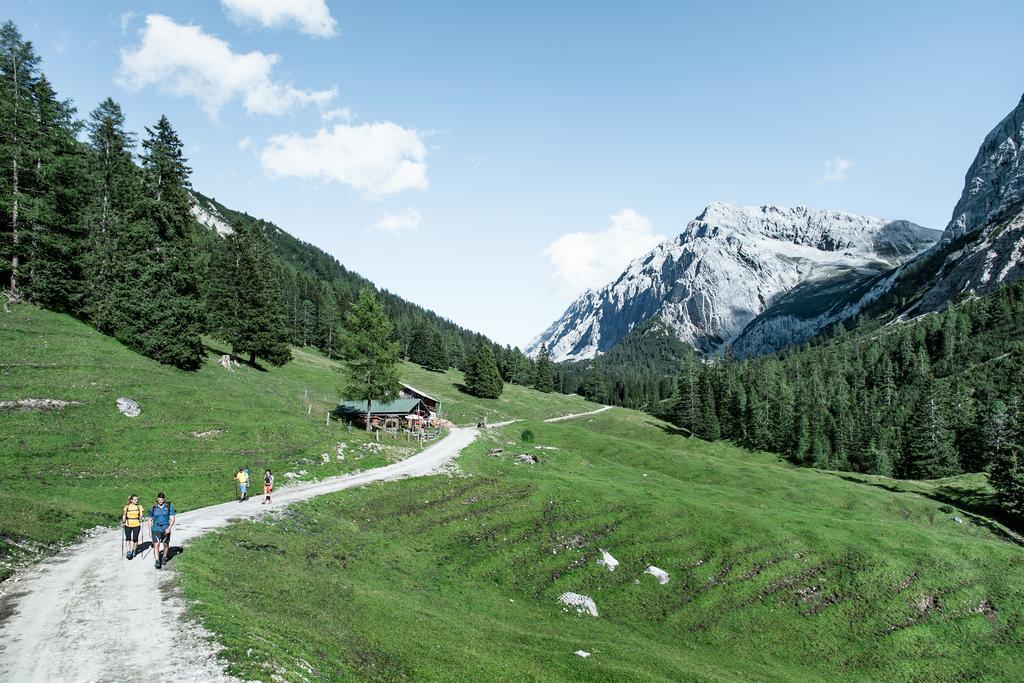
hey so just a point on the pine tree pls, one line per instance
(160, 314)
(686, 403)
(929, 452)
(115, 189)
(594, 387)
(483, 378)
(19, 75)
(329, 321)
(427, 347)
(57, 234)
(542, 379)
(706, 424)
(368, 353)
(259, 328)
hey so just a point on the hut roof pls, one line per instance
(402, 406)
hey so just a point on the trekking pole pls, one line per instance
(121, 530)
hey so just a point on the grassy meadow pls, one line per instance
(62, 471)
(776, 573)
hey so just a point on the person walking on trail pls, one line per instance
(243, 484)
(131, 522)
(161, 522)
(268, 486)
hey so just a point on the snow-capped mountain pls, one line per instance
(729, 267)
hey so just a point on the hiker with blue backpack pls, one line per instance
(161, 521)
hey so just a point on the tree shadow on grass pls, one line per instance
(216, 353)
(670, 429)
(980, 507)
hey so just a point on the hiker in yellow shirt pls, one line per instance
(131, 520)
(243, 484)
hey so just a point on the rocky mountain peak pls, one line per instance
(994, 185)
(725, 268)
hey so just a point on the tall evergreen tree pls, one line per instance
(929, 451)
(369, 354)
(161, 312)
(426, 347)
(259, 328)
(115, 189)
(483, 378)
(57, 234)
(19, 75)
(542, 380)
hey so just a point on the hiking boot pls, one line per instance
(129, 555)
(158, 563)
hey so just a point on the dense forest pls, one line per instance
(100, 225)
(933, 397)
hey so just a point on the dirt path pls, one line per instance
(575, 415)
(90, 615)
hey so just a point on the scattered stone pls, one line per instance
(527, 458)
(37, 404)
(208, 433)
(546, 448)
(582, 603)
(582, 653)
(495, 451)
(225, 361)
(987, 608)
(325, 458)
(128, 407)
(660, 574)
(926, 604)
(958, 520)
(607, 560)
(340, 448)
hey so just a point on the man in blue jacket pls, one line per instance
(161, 518)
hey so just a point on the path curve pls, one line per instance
(89, 615)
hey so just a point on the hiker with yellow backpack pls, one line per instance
(131, 521)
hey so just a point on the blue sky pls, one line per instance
(491, 160)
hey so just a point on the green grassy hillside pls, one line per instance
(64, 471)
(776, 573)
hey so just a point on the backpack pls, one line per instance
(167, 506)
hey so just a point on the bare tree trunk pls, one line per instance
(369, 405)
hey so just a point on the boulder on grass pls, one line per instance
(128, 407)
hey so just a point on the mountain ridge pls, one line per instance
(725, 269)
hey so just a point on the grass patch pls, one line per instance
(777, 573)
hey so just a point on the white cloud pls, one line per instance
(374, 158)
(343, 114)
(312, 16)
(245, 143)
(835, 170)
(399, 222)
(126, 19)
(188, 62)
(584, 260)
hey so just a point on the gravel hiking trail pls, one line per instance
(88, 614)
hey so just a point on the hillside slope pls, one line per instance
(63, 471)
(774, 573)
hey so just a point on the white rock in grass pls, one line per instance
(660, 574)
(128, 407)
(582, 603)
(582, 653)
(607, 560)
